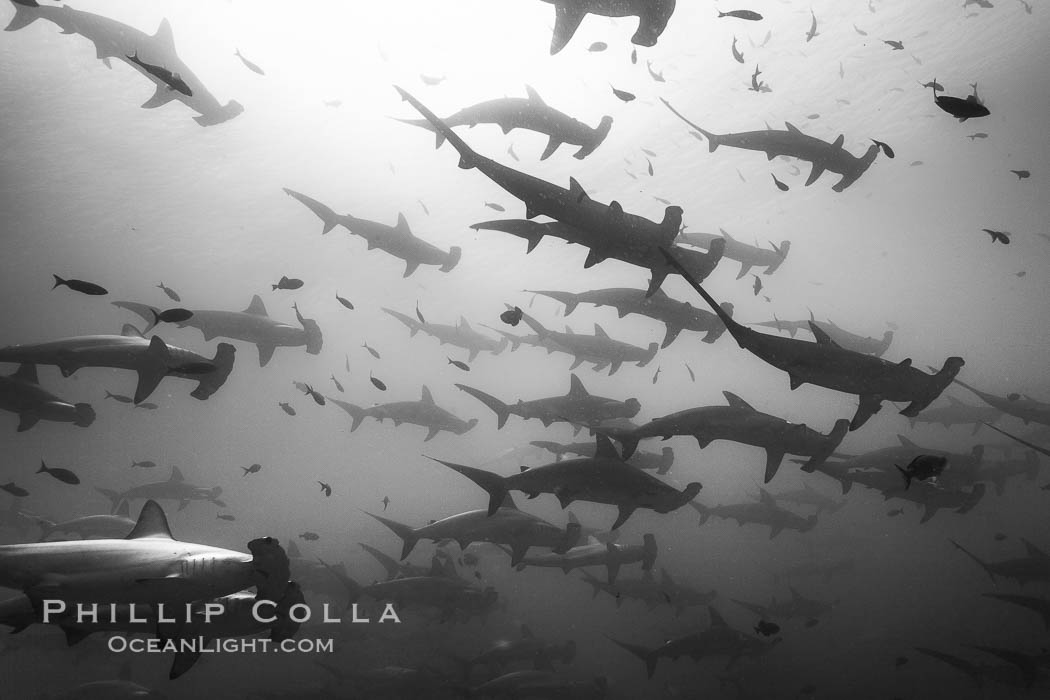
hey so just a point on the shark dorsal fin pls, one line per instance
(600, 332)
(402, 224)
(592, 540)
(151, 523)
(129, 331)
(716, 617)
(735, 401)
(616, 210)
(508, 502)
(465, 324)
(725, 234)
(821, 335)
(905, 442)
(163, 34)
(576, 190)
(839, 141)
(573, 518)
(1034, 551)
(176, 474)
(576, 388)
(123, 510)
(605, 448)
(27, 373)
(792, 128)
(427, 398)
(526, 633)
(256, 307)
(533, 95)
(906, 362)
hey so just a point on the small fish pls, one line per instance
(842, 71)
(512, 316)
(89, 288)
(248, 64)
(312, 393)
(767, 629)
(742, 14)
(658, 77)
(375, 354)
(978, 135)
(900, 661)
(736, 53)
(432, 80)
(310, 536)
(119, 397)
(333, 103)
(254, 469)
(386, 501)
(225, 516)
(842, 101)
(780, 185)
(885, 148)
(14, 490)
(859, 30)
(813, 116)
(63, 475)
(897, 45)
(511, 153)
(647, 152)
(758, 284)
(755, 85)
(634, 56)
(597, 47)
(344, 302)
(286, 408)
(622, 94)
(378, 384)
(325, 489)
(1027, 7)
(424, 206)
(691, 375)
(419, 314)
(650, 166)
(148, 405)
(933, 84)
(633, 176)
(915, 163)
(1021, 174)
(145, 464)
(812, 622)
(172, 294)
(172, 316)
(661, 200)
(461, 365)
(172, 80)
(656, 375)
(1000, 536)
(493, 205)
(813, 28)
(337, 384)
(923, 467)
(287, 283)
(998, 236)
(347, 362)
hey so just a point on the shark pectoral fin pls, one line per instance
(744, 269)
(567, 18)
(410, 267)
(796, 382)
(593, 258)
(26, 421)
(625, 512)
(161, 97)
(517, 553)
(869, 405)
(552, 146)
(530, 213)
(183, 662)
(656, 281)
(613, 568)
(576, 363)
(613, 369)
(928, 512)
(431, 433)
(265, 353)
(473, 354)
(814, 174)
(565, 498)
(671, 334)
(773, 460)
(149, 378)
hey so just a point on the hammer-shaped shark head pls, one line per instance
(284, 627)
(271, 566)
(652, 21)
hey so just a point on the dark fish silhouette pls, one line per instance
(999, 536)
(1021, 174)
(312, 393)
(493, 205)
(424, 206)
(978, 135)
(742, 14)
(656, 375)
(80, 286)
(287, 283)
(337, 384)
(691, 375)
(758, 284)
(896, 45)
(859, 30)
(254, 469)
(419, 314)
(148, 405)
(145, 464)
(961, 109)
(512, 316)
(172, 80)
(736, 53)
(658, 77)
(375, 354)
(634, 56)
(597, 46)
(767, 629)
(386, 501)
(63, 475)
(461, 365)
(812, 28)
(287, 409)
(901, 660)
(780, 185)
(344, 302)
(885, 148)
(248, 64)
(895, 512)
(310, 536)
(922, 468)
(326, 489)
(225, 516)
(377, 383)
(623, 94)
(119, 398)
(172, 294)
(14, 490)
(933, 84)
(650, 166)
(998, 236)
(172, 316)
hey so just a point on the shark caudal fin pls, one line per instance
(647, 655)
(357, 414)
(569, 299)
(712, 139)
(25, 14)
(468, 158)
(212, 381)
(493, 484)
(86, 416)
(735, 329)
(522, 228)
(439, 138)
(147, 312)
(329, 218)
(983, 564)
(455, 253)
(407, 534)
(501, 409)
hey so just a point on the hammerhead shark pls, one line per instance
(508, 526)
(423, 412)
(763, 512)
(604, 478)
(175, 488)
(747, 255)
(151, 359)
(831, 366)
(848, 340)
(22, 394)
(153, 56)
(957, 412)
(792, 142)
(394, 568)
(1020, 406)
(652, 15)
(603, 247)
(253, 325)
(461, 335)
(533, 114)
(594, 553)
(148, 566)
(676, 315)
(1034, 566)
(88, 527)
(740, 422)
(599, 348)
(797, 607)
(397, 240)
(660, 462)
(578, 406)
(570, 206)
(962, 469)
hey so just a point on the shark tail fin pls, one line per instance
(212, 381)
(642, 653)
(907, 477)
(24, 15)
(454, 255)
(981, 562)
(493, 484)
(86, 416)
(501, 409)
(712, 139)
(467, 156)
(407, 534)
